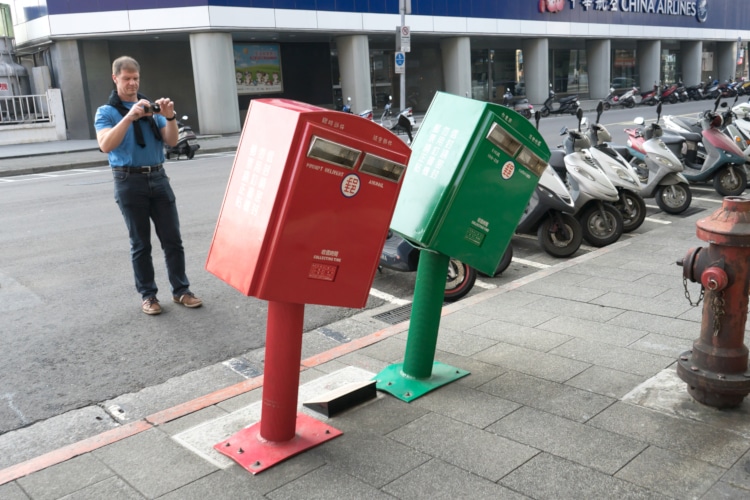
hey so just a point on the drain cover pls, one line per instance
(395, 316)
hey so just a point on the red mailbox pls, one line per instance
(308, 205)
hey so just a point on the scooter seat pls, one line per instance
(557, 161)
(569, 98)
(674, 137)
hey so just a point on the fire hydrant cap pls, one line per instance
(729, 225)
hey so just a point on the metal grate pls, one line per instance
(395, 316)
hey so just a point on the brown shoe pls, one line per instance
(188, 300)
(151, 306)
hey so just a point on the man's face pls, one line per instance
(127, 83)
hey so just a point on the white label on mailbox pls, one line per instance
(350, 185)
(508, 170)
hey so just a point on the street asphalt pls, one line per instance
(572, 394)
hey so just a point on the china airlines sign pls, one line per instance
(691, 8)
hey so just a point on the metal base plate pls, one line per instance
(395, 382)
(255, 454)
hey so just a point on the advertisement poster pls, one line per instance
(257, 68)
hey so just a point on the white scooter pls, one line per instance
(621, 173)
(592, 192)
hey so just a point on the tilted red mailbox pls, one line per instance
(309, 202)
(305, 215)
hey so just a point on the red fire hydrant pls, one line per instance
(716, 369)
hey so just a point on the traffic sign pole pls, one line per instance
(402, 10)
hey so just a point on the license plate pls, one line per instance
(192, 142)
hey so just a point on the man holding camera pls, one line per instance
(133, 131)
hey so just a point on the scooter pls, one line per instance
(723, 162)
(625, 100)
(569, 104)
(367, 114)
(550, 213)
(520, 106)
(660, 171)
(400, 255)
(403, 122)
(621, 173)
(187, 142)
(739, 128)
(650, 97)
(592, 192)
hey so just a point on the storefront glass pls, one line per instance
(569, 72)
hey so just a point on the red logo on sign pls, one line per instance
(3, 86)
(508, 170)
(350, 185)
(551, 5)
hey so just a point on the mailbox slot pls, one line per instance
(531, 161)
(334, 153)
(380, 167)
(502, 139)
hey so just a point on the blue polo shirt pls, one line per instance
(129, 153)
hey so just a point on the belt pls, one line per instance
(138, 170)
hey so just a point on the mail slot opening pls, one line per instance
(532, 162)
(502, 139)
(331, 152)
(380, 167)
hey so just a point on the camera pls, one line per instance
(153, 108)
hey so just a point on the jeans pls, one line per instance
(142, 198)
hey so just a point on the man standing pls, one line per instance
(133, 130)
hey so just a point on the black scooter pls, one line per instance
(187, 142)
(567, 104)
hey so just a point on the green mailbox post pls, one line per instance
(473, 168)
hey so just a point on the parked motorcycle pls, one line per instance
(651, 97)
(367, 114)
(400, 255)
(723, 161)
(659, 170)
(592, 192)
(569, 104)
(187, 141)
(621, 173)
(520, 106)
(669, 94)
(403, 122)
(625, 100)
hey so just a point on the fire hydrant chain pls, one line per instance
(687, 293)
(717, 305)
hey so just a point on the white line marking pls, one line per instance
(388, 297)
(658, 221)
(486, 286)
(531, 263)
(709, 199)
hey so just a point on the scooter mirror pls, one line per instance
(537, 117)
(585, 123)
(658, 112)
(723, 105)
(579, 115)
(716, 102)
(563, 130)
(599, 111)
(184, 117)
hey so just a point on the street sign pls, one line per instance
(400, 62)
(405, 39)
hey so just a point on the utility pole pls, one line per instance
(403, 44)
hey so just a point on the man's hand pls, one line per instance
(167, 107)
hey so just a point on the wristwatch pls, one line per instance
(173, 117)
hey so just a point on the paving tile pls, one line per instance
(382, 415)
(548, 477)
(462, 343)
(544, 395)
(692, 439)
(511, 313)
(611, 383)
(592, 330)
(390, 350)
(191, 420)
(651, 305)
(64, 478)
(437, 480)
(670, 473)
(152, 463)
(370, 457)
(563, 291)
(241, 401)
(539, 364)
(573, 308)
(461, 320)
(369, 363)
(590, 268)
(616, 358)
(466, 405)
(636, 288)
(739, 474)
(523, 336)
(479, 371)
(580, 443)
(113, 487)
(326, 483)
(725, 491)
(11, 491)
(483, 453)
(671, 327)
(662, 345)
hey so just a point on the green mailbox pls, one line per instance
(473, 168)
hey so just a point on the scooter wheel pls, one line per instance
(459, 281)
(731, 180)
(633, 210)
(190, 153)
(629, 103)
(545, 112)
(674, 198)
(560, 235)
(606, 106)
(526, 113)
(601, 226)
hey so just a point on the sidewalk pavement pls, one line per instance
(572, 395)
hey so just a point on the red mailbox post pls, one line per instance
(305, 215)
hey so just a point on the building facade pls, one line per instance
(212, 57)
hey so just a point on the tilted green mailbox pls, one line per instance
(473, 169)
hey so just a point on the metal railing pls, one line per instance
(24, 109)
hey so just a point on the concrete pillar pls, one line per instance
(354, 68)
(457, 65)
(598, 62)
(68, 70)
(726, 54)
(691, 53)
(215, 83)
(536, 69)
(648, 54)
